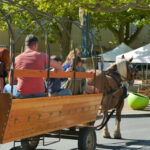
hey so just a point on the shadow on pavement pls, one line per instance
(19, 148)
(134, 115)
(131, 144)
(125, 144)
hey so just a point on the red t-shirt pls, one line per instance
(31, 60)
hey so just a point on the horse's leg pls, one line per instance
(106, 133)
(117, 133)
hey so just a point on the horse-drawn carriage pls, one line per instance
(70, 117)
(40, 117)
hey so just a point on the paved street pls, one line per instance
(135, 133)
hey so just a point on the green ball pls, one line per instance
(137, 101)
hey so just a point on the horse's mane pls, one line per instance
(122, 68)
(111, 68)
(119, 66)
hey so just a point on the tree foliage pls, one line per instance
(120, 24)
(23, 15)
(115, 5)
(116, 15)
(119, 16)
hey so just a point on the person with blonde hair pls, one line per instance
(70, 56)
(79, 86)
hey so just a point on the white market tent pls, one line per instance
(140, 55)
(111, 55)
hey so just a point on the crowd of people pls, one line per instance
(32, 59)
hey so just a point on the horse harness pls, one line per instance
(112, 93)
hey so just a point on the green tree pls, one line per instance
(119, 16)
(116, 15)
(44, 10)
(115, 5)
(120, 24)
(64, 9)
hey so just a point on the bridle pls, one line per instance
(123, 67)
(132, 71)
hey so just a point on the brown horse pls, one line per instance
(111, 84)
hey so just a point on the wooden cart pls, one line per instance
(29, 120)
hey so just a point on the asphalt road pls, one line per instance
(135, 135)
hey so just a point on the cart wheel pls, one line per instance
(30, 143)
(87, 139)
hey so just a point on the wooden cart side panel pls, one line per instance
(43, 74)
(5, 105)
(31, 117)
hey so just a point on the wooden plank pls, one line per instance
(31, 117)
(46, 128)
(52, 112)
(44, 74)
(5, 105)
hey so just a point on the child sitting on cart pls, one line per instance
(54, 88)
(77, 86)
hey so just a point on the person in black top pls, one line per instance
(55, 83)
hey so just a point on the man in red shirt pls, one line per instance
(34, 60)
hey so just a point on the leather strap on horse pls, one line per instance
(99, 127)
(108, 88)
(111, 75)
(105, 83)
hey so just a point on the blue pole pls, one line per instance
(85, 47)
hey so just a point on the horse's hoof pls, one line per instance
(117, 136)
(107, 136)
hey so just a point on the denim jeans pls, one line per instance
(62, 92)
(7, 89)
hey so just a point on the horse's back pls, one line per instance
(97, 81)
(101, 80)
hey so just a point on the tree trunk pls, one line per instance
(121, 34)
(127, 32)
(134, 36)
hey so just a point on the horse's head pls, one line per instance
(126, 70)
(122, 70)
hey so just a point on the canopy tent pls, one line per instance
(140, 55)
(111, 55)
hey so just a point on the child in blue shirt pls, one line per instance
(55, 83)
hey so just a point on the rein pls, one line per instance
(112, 93)
(104, 122)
